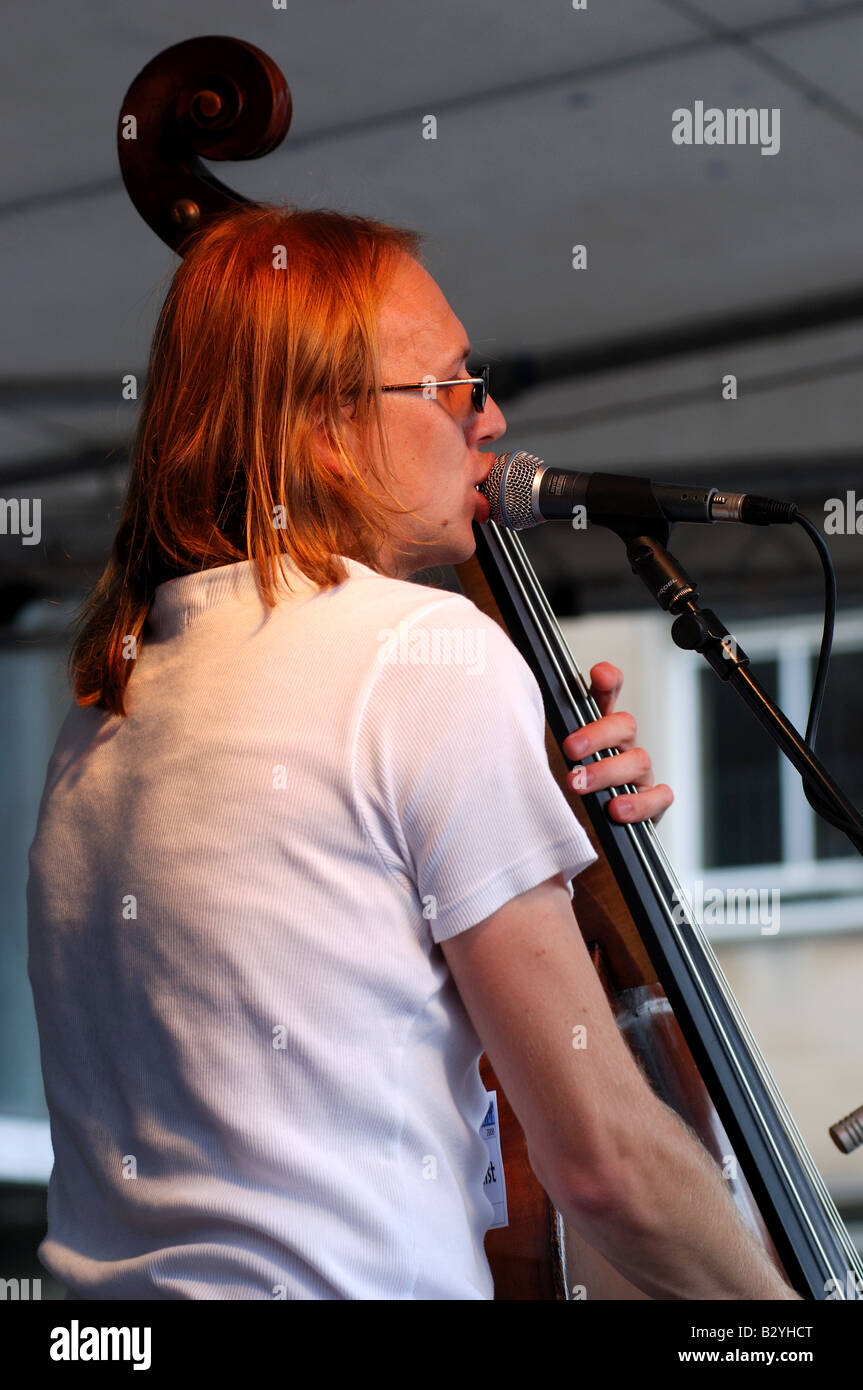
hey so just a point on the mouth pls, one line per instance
(481, 506)
(490, 458)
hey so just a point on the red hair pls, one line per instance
(269, 328)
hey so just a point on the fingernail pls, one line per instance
(579, 744)
(623, 806)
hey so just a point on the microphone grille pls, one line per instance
(509, 489)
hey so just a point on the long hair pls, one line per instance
(268, 331)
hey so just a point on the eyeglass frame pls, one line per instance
(480, 383)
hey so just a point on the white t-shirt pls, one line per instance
(261, 1079)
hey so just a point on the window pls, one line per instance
(740, 776)
(755, 815)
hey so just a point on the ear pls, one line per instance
(323, 448)
(323, 440)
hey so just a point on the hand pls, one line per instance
(630, 765)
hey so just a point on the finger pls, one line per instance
(617, 730)
(605, 684)
(647, 805)
(633, 768)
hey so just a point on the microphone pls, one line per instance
(523, 491)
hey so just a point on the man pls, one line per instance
(612, 1158)
(280, 904)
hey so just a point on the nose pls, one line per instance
(491, 424)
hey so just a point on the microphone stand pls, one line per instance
(699, 629)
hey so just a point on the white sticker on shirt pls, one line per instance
(494, 1183)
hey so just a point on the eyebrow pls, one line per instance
(466, 352)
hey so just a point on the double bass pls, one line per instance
(218, 98)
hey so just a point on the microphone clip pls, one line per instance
(694, 629)
(664, 576)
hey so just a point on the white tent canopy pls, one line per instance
(554, 129)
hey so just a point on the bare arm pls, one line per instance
(618, 1163)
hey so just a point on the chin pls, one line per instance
(459, 551)
(449, 550)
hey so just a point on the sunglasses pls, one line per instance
(479, 394)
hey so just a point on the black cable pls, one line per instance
(827, 630)
(826, 809)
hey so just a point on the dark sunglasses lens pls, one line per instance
(480, 391)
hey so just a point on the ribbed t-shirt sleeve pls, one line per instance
(451, 773)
